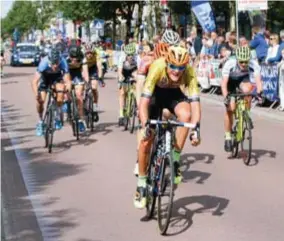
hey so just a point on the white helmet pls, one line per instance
(170, 37)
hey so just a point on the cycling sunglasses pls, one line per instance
(174, 67)
(244, 62)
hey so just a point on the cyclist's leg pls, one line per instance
(95, 93)
(79, 90)
(40, 107)
(59, 88)
(228, 117)
(247, 88)
(145, 144)
(122, 93)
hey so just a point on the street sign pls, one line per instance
(250, 5)
(99, 24)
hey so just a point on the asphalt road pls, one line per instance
(83, 190)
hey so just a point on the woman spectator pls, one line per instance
(278, 57)
(274, 45)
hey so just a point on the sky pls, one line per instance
(5, 7)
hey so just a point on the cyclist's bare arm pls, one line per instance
(100, 69)
(35, 82)
(195, 111)
(85, 72)
(258, 83)
(67, 80)
(224, 85)
(120, 75)
(143, 110)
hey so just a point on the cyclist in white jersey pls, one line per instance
(239, 73)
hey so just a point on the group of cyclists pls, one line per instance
(165, 82)
(82, 66)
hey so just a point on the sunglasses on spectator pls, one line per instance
(174, 67)
(272, 38)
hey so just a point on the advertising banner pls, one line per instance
(204, 14)
(269, 76)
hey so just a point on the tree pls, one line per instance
(15, 19)
(77, 10)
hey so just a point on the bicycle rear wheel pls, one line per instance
(133, 115)
(235, 144)
(246, 143)
(166, 189)
(128, 102)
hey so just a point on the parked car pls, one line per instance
(25, 54)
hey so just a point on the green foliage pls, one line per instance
(22, 15)
(77, 10)
(25, 15)
(180, 7)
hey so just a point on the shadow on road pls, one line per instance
(15, 75)
(259, 154)
(182, 213)
(188, 159)
(41, 171)
(102, 127)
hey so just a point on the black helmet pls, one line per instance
(75, 52)
(54, 56)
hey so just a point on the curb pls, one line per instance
(256, 111)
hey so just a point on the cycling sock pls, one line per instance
(121, 113)
(228, 135)
(142, 181)
(176, 155)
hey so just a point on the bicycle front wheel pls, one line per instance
(246, 143)
(165, 193)
(75, 115)
(49, 130)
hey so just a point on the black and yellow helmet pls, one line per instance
(243, 53)
(130, 49)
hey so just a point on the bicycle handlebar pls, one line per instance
(171, 123)
(243, 95)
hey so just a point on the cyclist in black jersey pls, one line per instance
(238, 73)
(79, 73)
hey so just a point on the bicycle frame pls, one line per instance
(240, 113)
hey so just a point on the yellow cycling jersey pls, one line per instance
(157, 76)
(77, 65)
(92, 61)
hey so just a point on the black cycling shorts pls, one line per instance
(165, 99)
(93, 73)
(48, 80)
(234, 84)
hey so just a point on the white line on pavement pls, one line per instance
(44, 221)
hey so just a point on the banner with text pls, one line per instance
(204, 14)
(269, 76)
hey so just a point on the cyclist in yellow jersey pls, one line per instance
(162, 89)
(95, 71)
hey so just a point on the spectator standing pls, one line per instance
(274, 46)
(213, 50)
(259, 44)
(231, 41)
(196, 43)
(281, 81)
(279, 55)
(220, 44)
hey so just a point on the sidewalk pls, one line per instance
(259, 111)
